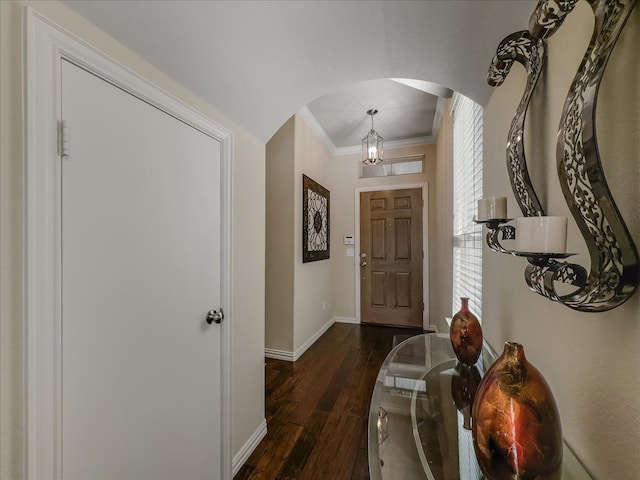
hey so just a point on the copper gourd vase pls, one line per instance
(515, 422)
(466, 334)
(464, 384)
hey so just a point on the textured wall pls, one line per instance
(590, 360)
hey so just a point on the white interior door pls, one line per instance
(141, 369)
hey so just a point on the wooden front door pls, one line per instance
(391, 257)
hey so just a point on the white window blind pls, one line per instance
(467, 189)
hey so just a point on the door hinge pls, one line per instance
(64, 139)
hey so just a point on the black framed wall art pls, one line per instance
(315, 221)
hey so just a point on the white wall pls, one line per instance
(248, 235)
(590, 360)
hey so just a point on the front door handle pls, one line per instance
(214, 316)
(363, 264)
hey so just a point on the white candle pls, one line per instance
(492, 208)
(541, 234)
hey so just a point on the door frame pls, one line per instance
(46, 45)
(425, 243)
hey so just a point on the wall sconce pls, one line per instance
(614, 273)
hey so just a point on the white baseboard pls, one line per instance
(248, 448)
(346, 320)
(293, 356)
(278, 354)
(312, 339)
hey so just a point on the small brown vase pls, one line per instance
(466, 334)
(515, 421)
(464, 384)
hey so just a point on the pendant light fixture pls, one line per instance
(372, 144)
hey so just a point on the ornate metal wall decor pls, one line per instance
(548, 16)
(529, 51)
(528, 48)
(315, 221)
(614, 272)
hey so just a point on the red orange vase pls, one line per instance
(466, 334)
(515, 421)
(464, 384)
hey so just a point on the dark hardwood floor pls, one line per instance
(317, 407)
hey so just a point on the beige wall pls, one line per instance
(344, 173)
(295, 291)
(248, 235)
(441, 254)
(332, 281)
(312, 279)
(589, 359)
(279, 239)
(11, 208)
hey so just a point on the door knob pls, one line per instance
(215, 316)
(363, 264)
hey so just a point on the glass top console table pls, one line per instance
(416, 430)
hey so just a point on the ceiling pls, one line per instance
(259, 62)
(409, 112)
